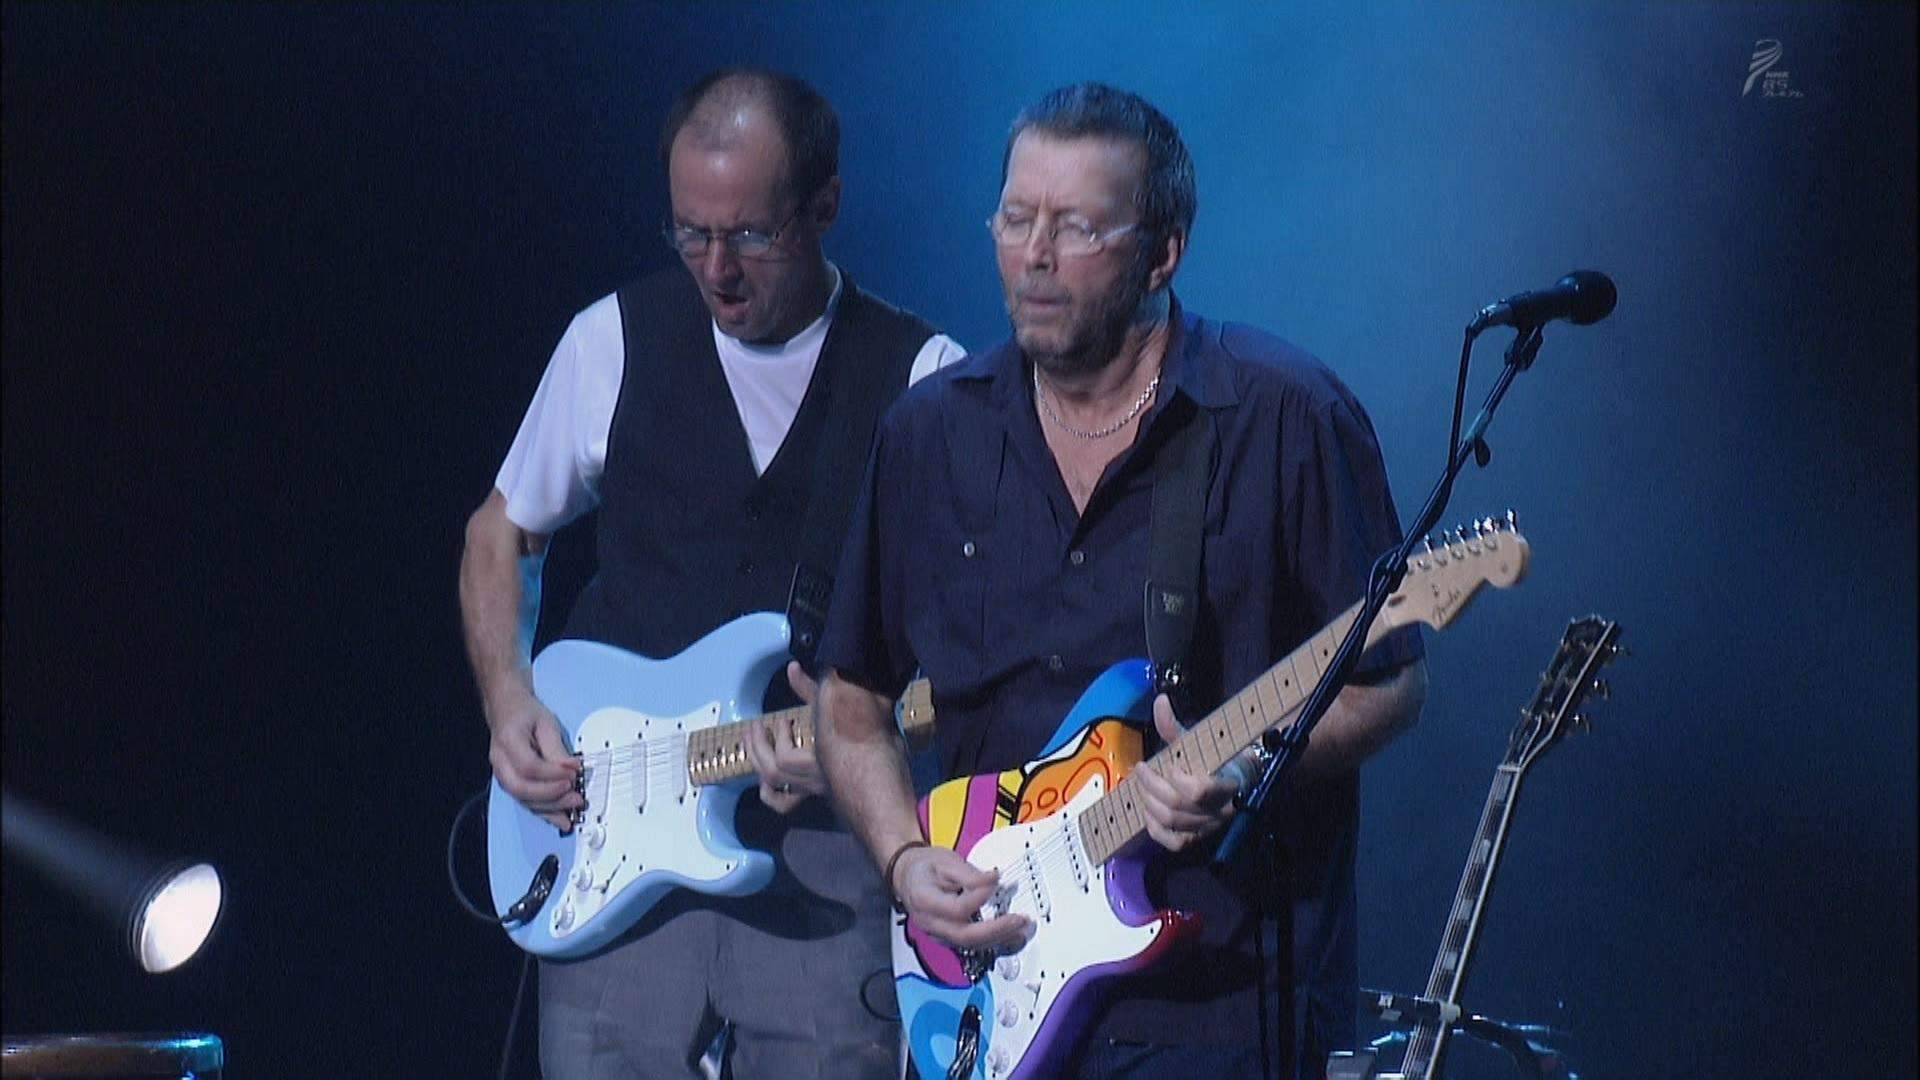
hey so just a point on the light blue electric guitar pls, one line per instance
(664, 767)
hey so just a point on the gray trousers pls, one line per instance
(785, 968)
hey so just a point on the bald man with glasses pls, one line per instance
(717, 416)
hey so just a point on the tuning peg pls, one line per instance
(1581, 722)
(1618, 650)
(1601, 690)
(1513, 521)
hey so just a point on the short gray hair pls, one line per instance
(1166, 199)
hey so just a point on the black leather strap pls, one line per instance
(1173, 555)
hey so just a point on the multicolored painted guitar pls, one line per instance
(1587, 646)
(1069, 840)
(664, 768)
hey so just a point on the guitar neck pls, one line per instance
(1587, 645)
(718, 754)
(1427, 1043)
(1117, 820)
(1437, 585)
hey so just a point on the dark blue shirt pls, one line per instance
(967, 561)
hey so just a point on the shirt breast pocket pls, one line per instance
(946, 610)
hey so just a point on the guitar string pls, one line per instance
(617, 755)
(1320, 641)
(1126, 810)
(620, 756)
(1428, 1039)
(1053, 852)
(665, 761)
(662, 763)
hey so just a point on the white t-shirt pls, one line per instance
(552, 472)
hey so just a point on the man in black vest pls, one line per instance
(719, 420)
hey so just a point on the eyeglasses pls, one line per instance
(692, 243)
(1072, 237)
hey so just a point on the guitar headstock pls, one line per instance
(1588, 645)
(1442, 577)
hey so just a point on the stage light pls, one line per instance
(166, 909)
(171, 926)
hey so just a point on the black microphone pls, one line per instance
(1582, 297)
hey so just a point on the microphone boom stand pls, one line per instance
(1388, 571)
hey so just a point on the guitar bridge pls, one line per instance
(579, 813)
(976, 963)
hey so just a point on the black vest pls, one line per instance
(689, 536)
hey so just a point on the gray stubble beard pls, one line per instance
(1131, 308)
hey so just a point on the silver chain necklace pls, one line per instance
(1040, 393)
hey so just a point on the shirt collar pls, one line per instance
(1196, 364)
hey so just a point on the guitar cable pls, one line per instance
(866, 999)
(520, 911)
(530, 901)
(524, 908)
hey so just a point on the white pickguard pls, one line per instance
(1045, 876)
(642, 821)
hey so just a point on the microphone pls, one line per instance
(1582, 297)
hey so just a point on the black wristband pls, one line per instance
(892, 893)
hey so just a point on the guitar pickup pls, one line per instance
(637, 771)
(1077, 855)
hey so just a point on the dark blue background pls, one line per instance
(278, 282)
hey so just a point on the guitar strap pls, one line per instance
(858, 389)
(807, 601)
(1172, 610)
(1173, 546)
(837, 464)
